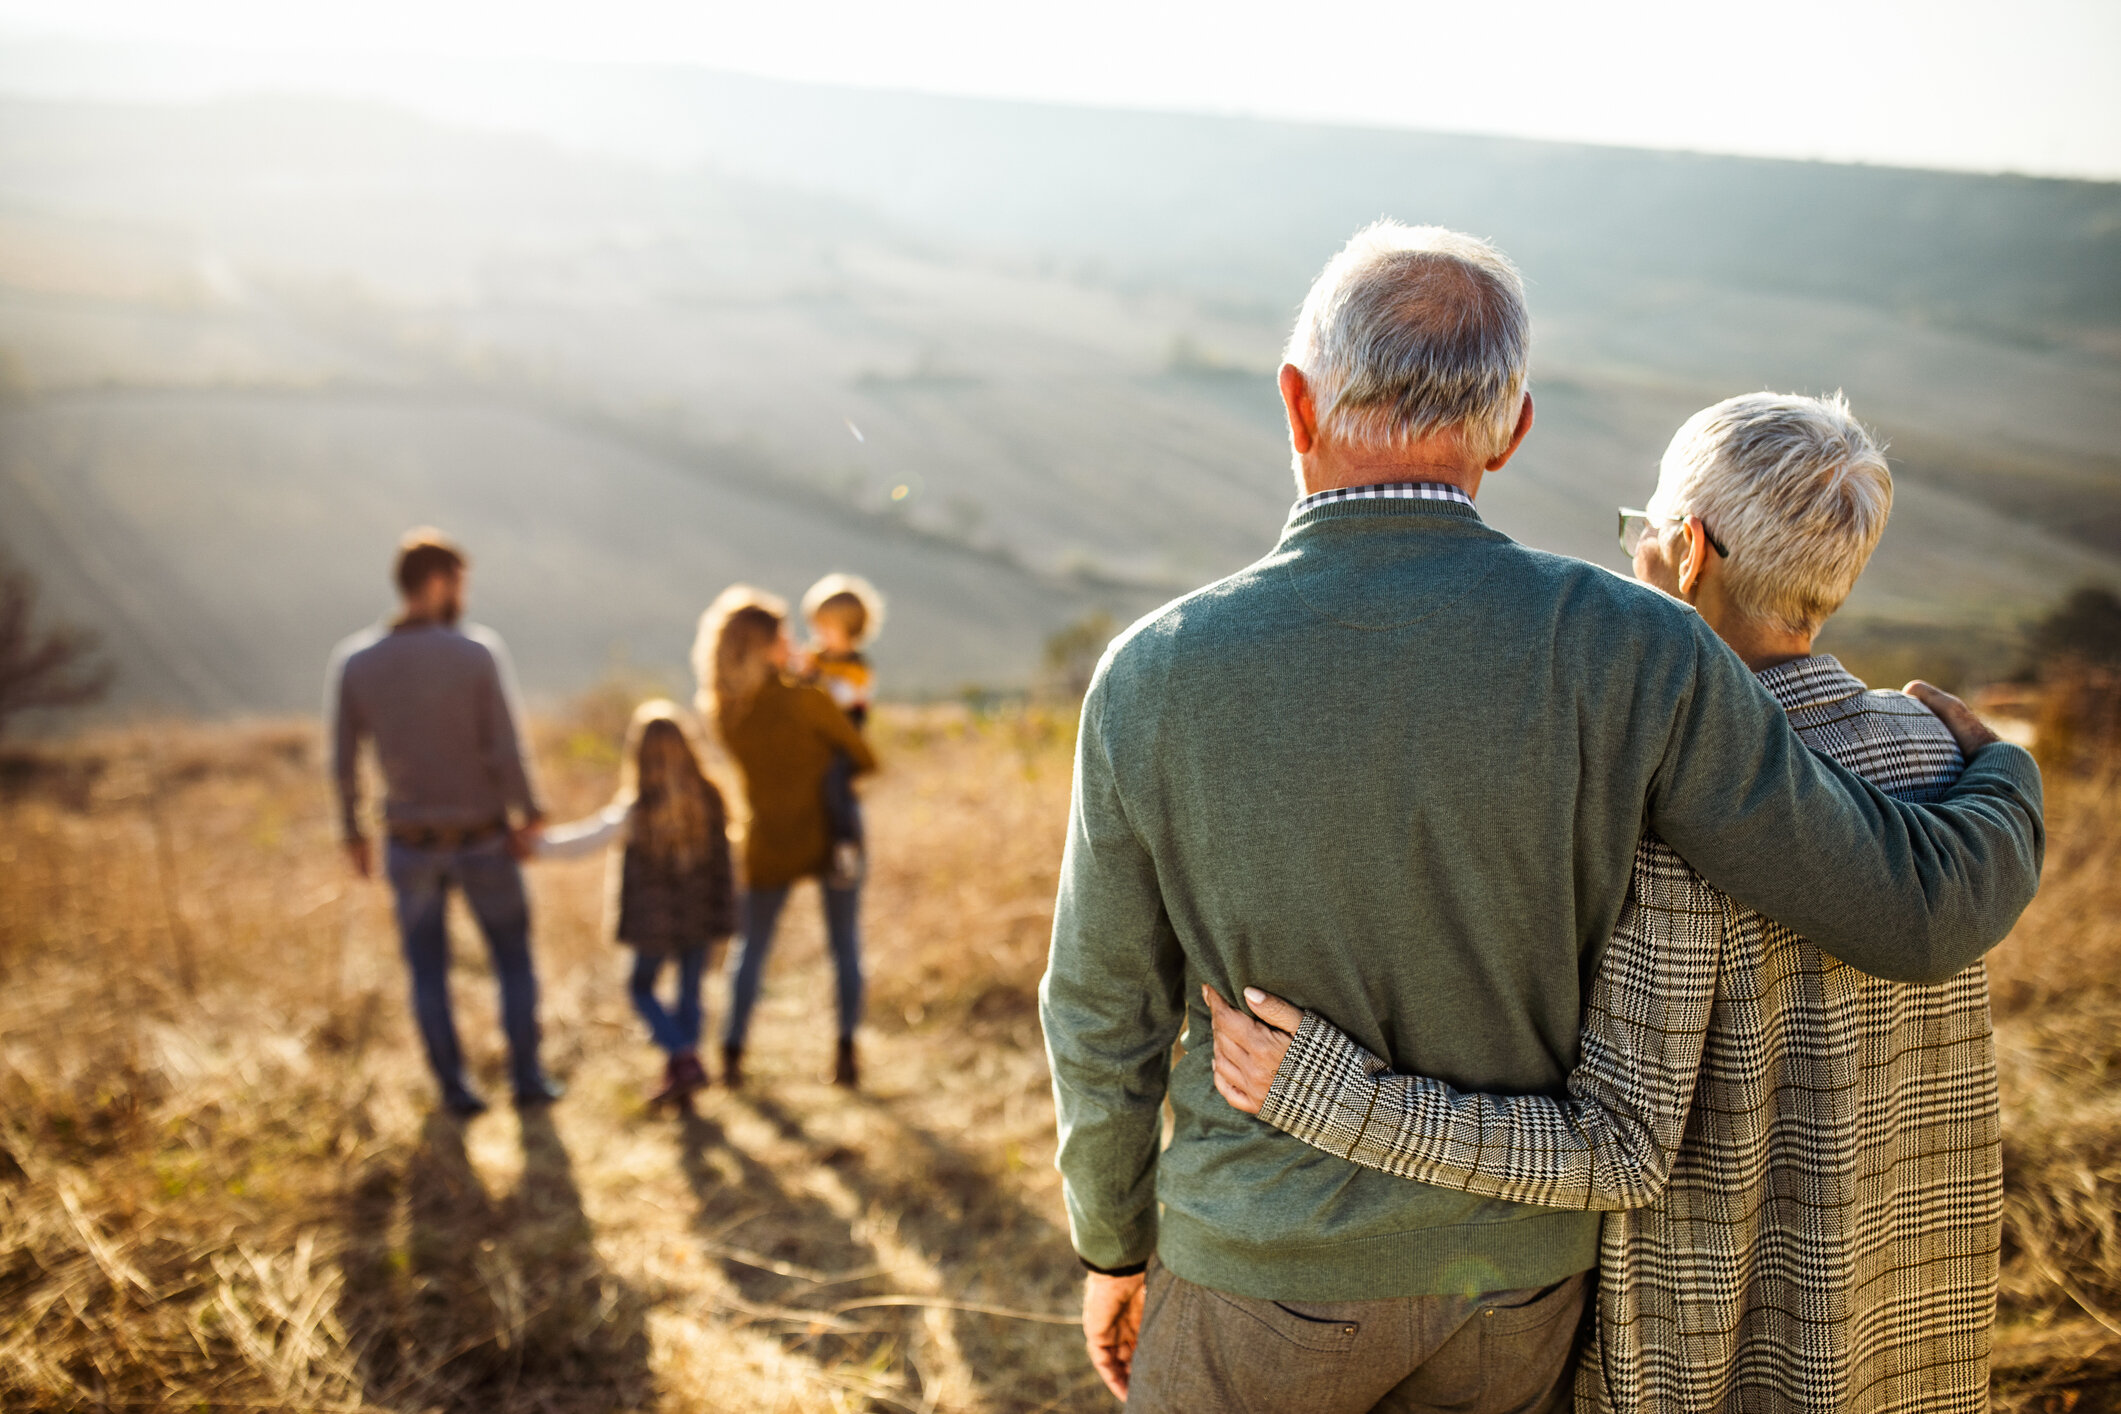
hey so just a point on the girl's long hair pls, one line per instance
(676, 809)
(733, 655)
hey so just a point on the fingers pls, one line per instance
(1226, 1021)
(1112, 1316)
(1232, 1026)
(1217, 1007)
(1239, 1085)
(1243, 1078)
(1273, 1010)
(1247, 1054)
(1111, 1369)
(1967, 729)
(1229, 1083)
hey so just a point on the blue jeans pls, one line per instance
(673, 1030)
(762, 912)
(493, 887)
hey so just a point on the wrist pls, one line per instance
(1130, 1269)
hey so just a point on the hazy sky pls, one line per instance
(2028, 86)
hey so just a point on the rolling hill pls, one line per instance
(1012, 362)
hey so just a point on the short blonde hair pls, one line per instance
(1794, 488)
(854, 601)
(1411, 331)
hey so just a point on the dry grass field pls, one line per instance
(222, 1185)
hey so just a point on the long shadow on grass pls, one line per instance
(789, 1256)
(962, 1214)
(458, 1300)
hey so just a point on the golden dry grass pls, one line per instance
(222, 1184)
(2056, 987)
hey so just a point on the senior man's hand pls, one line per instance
(1112, 1326)
(1967, 729)
(1248, 1052)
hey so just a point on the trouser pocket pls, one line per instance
(1308, 1326)
(1208, 1352)
(1526, 1341)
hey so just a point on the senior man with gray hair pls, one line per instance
(1813, 1152)
(1397, 770)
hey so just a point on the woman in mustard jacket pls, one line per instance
(782, 735)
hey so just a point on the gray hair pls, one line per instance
(1411, 331)
(1796, 490)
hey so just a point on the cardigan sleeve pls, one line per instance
(1907, 892)
(1111, 1004)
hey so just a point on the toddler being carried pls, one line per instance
(844, 612)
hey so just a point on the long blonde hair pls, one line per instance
(675, 808)
(733, 654)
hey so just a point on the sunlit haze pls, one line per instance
(1946, 83)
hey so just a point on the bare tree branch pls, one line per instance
(52, 668)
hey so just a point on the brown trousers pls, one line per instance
(1207, 1352)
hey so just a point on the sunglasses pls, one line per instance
(1635, 524)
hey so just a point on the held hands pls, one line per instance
(1112, 1326)
(523, 839)
(1249, 1052)
(1967, 729)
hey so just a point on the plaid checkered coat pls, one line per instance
(1800, 1162)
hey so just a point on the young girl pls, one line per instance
(674, 892)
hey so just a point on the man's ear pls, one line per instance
(1302, 413)
(1524, 426)
(1697, 555)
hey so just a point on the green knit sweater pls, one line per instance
(1331, 773)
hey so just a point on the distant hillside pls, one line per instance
(1012, 362)
(1241, 206)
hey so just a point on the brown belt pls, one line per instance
(446, 836)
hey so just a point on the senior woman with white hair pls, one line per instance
(1799, 1162)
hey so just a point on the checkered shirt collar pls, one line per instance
(1811, 682)
(1384, 491)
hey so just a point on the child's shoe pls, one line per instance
(848, 865)
(691, 1074)
(846, 1071)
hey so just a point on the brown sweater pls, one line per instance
(783, 743)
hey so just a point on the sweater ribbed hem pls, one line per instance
(1538, 1249)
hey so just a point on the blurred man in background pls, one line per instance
(1329, 767)
(439, 702)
